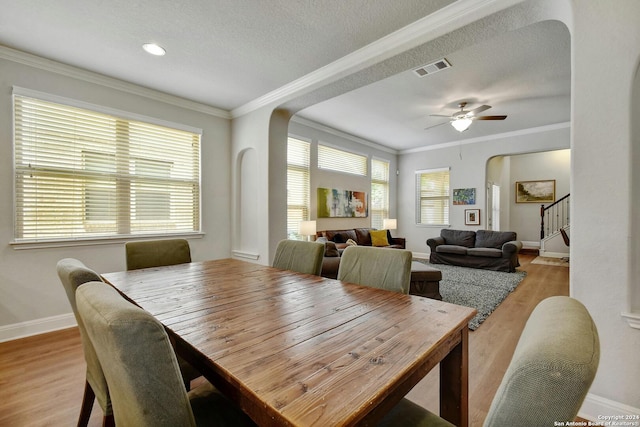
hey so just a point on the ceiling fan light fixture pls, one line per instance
(461, 124)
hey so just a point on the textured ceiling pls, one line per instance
(219, 52)
(227, 54)
(524, 74)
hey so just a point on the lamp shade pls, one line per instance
(461, 124)
(307, 228)
(389, 224)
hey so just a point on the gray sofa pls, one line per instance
(486, 249)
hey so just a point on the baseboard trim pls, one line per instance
(594, 408)
(246, 255)
(37, 327)
(554, 254)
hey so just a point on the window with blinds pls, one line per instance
(379, 192)
(432, 197)
(86, 174)
(298, 155)
(333, 159)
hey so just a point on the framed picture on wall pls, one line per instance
(472, 217)
(536, 191)
(464, 196)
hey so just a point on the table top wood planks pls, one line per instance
(303, 350)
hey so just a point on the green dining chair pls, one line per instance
(550, 373)
(156, 253)
(159, 253)
(300, 256)
(141, 368)
(382, 268)
(72, 274)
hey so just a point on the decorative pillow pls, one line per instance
(351, 242)
(330, 250)
(379, 238)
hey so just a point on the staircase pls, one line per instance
(554, 217)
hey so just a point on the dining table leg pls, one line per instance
(454, 383)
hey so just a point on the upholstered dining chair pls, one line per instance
(388, 269)
(159, 253)
(74, 273)
(141, 368)
(156, 253)
(300, 256)
(550, 373)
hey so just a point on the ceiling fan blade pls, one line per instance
(475, 111)
(443, 123)
(480, 109)
(490, 118)
(440, 115)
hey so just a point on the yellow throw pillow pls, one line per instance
(379, 237)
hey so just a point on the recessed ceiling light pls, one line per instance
(154, 49)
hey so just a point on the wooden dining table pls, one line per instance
(302, 350)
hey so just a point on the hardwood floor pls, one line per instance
(42, 377)
(492, 344)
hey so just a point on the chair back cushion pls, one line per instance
(72, 274)
(552, 367)
(157, 253)
(388, 269)
(300, 256)
(137, 358)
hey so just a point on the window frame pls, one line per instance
(19, 241)
(446, 207)
(303, 168)
(340, 155)
(384, 212)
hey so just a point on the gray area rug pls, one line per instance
(483, 290)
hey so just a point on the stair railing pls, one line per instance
(554, 217)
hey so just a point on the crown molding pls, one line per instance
(439, 23)
(110, 82)
(341, 134)
(528, 131)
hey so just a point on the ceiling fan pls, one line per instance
(461, 120)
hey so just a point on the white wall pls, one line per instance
(602, 193)
(470, 171)
(31, 296)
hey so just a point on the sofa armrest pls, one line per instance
(434, 242)
(512, 247)
(400, 241)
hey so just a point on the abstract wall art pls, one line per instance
(335, 203)
(464, 196)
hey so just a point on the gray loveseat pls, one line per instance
(486, 249)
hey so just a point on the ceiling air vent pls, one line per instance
(434, 67)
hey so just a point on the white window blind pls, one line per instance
(297, 185)
(341, 161)
(379, 192)
(432, 197)
(86, 174)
